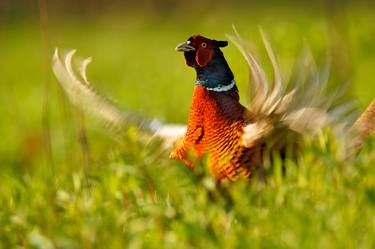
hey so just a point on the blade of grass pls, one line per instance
(46, 98)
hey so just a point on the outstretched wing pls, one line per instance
(82, 95)
(300, 107)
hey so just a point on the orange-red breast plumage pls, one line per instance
(215, 127)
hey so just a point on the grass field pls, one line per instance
(131, 195)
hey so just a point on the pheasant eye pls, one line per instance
(188, 42)
(204, 44)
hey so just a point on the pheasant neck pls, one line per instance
(216, 75)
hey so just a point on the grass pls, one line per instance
(132, 196)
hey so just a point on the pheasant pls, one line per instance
(234, 137)
(217, 119)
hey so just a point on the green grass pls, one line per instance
(131, 195)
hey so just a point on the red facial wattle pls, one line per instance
(203, 56)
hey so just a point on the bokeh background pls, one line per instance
(44, 164)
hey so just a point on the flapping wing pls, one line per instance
(300, 107)
(82, 95)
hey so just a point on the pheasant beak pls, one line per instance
(185, 47)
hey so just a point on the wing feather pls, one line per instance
(82, 95)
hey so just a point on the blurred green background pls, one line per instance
(49, 200)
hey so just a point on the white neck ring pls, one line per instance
(223, 88)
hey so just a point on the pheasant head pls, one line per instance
(205, 56)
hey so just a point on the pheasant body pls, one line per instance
(234, 137)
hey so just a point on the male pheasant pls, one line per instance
(234, 137)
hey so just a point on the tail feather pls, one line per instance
(82, 95)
